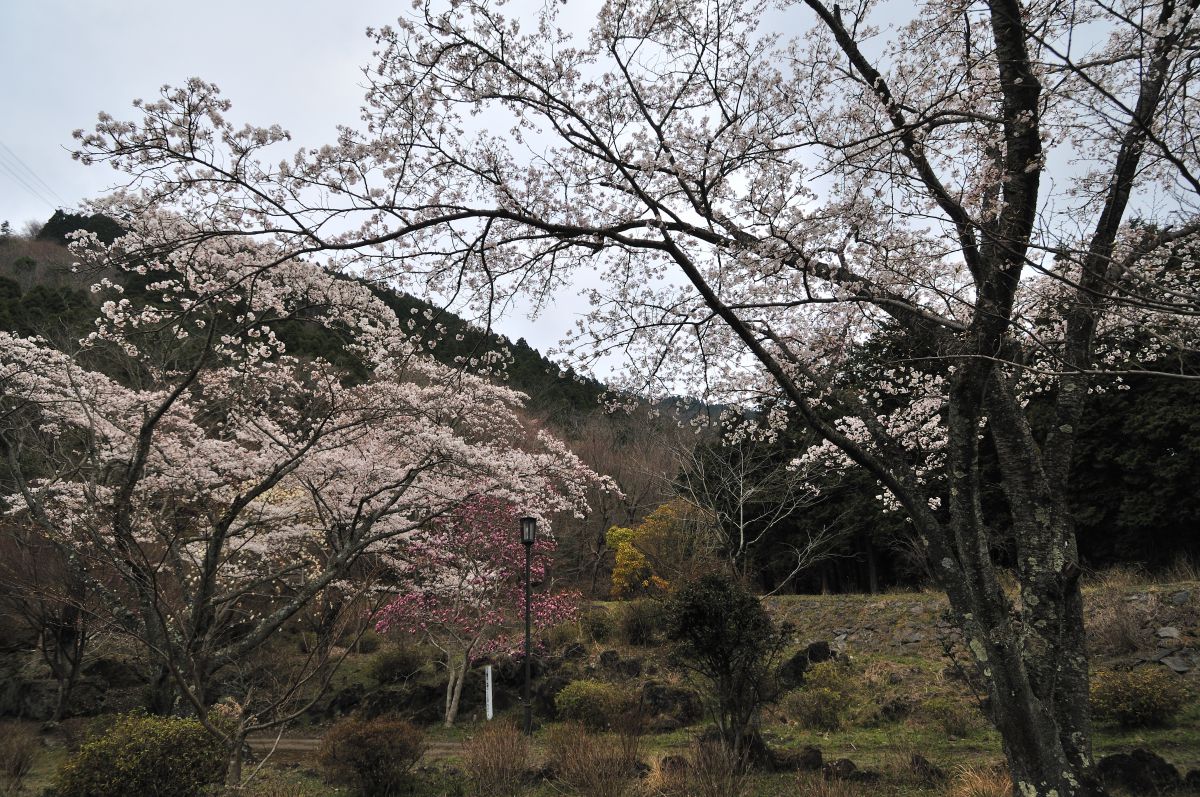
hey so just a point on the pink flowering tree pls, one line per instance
(467, 594)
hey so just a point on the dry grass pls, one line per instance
(714, 771)
(981, 782)
(812, 784)
(593, 765)
(497, 760)
(18, 750)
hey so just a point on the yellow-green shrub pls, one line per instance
(138, 754)
(953, 717)
(595, 704)
(1138, 698)
(816, 707)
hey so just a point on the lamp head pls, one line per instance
(528, 530)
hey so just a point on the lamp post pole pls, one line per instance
(528, 534)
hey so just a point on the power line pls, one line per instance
(26, 185)
(33, 174)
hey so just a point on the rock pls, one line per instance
(895, 708)
(818, 652)
(791, 672)
(1181, 664)
(545, 690)
(839, 769)
(676, 703)
(609, 660)
(114, 672)
(1168, 632)
(1180, 598)
(927, 771)
(806, 759)
(1138, 771)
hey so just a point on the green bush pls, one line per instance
(641, 621)
(816, 708)
(138, 754)
(376, 755)
(954, 717)
(1139, 698)
(396, 664)
(597, 624)
(593, 703)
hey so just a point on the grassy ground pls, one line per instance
(901, 696)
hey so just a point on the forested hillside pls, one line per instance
(1133, 495)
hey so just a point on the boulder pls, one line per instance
(929, 773)
(1139, 772)
(791, 672)
(806, 759)
(680, 704)
(818, 652)
(1180, 598)
(839, 769)
(114, 672)
(1167, 632)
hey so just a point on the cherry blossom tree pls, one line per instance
(211, 486)
(467, 593)
(1013, 187)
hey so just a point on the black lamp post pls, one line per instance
(528, 535)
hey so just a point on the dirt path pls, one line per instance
(302, 749)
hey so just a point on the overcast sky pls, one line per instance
(292, 62)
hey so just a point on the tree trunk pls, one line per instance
(454, 690)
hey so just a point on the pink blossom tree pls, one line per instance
(465, 595)
(1015, 187)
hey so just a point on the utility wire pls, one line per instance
(26, 184)
(42, 183)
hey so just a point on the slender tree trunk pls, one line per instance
(454, 690)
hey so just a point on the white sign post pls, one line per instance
(487, 689)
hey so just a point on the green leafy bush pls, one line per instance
(376, 755)
(595, 704)
(725, 637)
(138, 754)
(1139, 698)
(641, 621)
(396, 664)
(597, 624)
(818, 708)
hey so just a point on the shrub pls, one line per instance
(368, 642)
(817, 708)
(138, 754)
(825, 699)
(953, 717)
(18, 749)
(724, 635)
(396, 664)
(595, 704)
(557, 637)
(597, 624)
(497, 759)
(641, 621)
(603, 765)
(1139, 698)
(376, 755)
